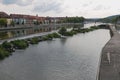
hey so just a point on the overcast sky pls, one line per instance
(86, 8)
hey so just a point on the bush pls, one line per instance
(44, 38)
(20, 44)
(69, 33)
(3, 22)
(49, 36)
(34, 40)
(63, 30)
(94, 27)
(4, 53)
(74, 32)
(56, 35)
(8, 46)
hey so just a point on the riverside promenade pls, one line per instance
(109, 68)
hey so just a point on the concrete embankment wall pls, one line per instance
(109, 68)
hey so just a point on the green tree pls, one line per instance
(63, 30)
(12, 23)
(3, 22)
(74, 19)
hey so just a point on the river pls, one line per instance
(73, 58)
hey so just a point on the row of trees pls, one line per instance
(113, 20)
(74, 20)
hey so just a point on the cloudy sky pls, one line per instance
(86, 8)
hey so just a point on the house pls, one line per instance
(19, 18)
(41, 20)
(27, 19)
(4, 15)
(7, 17)
(51, 20)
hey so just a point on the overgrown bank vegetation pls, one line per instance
(6, 48)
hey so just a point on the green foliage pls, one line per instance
(47, 37)
(68, 33)
(111, 19)
(12, 23)
(34, 40)
(6, 44)
(3, 35)
(56, 35)
(3, 53)
(3, 22)
(44, 38)
(63, 30)
(50, 36)
(74, 20)
(20, 44)
(84, 30)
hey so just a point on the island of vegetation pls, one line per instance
(6, 48)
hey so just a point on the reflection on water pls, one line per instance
(74, 58)
(91, 24)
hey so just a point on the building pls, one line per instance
(7, 17)
(27, 19)
(19, 18)
(41, 20)
(4, 15)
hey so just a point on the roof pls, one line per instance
(18, 16)
(4, 15)
(30, 17)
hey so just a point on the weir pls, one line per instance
(109, 68)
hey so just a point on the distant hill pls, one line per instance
(113, 16)
(108, 19)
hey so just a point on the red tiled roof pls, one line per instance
(18, 16)
(4, 15)
(32, 17)
(24, 16)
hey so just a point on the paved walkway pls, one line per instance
(110, 58)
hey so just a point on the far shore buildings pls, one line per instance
(22, 19)
(27, 19)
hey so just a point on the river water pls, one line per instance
(73, 58)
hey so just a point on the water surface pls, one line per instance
(73, 58)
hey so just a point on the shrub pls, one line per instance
(8, 46)
(4, 53)
(20, 44)
(49, 36)
(63, 30)
(56, 35)
(34, 40)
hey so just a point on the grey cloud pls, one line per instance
(17, 2)
(87, 4)
(101, 7)
(49, 6)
